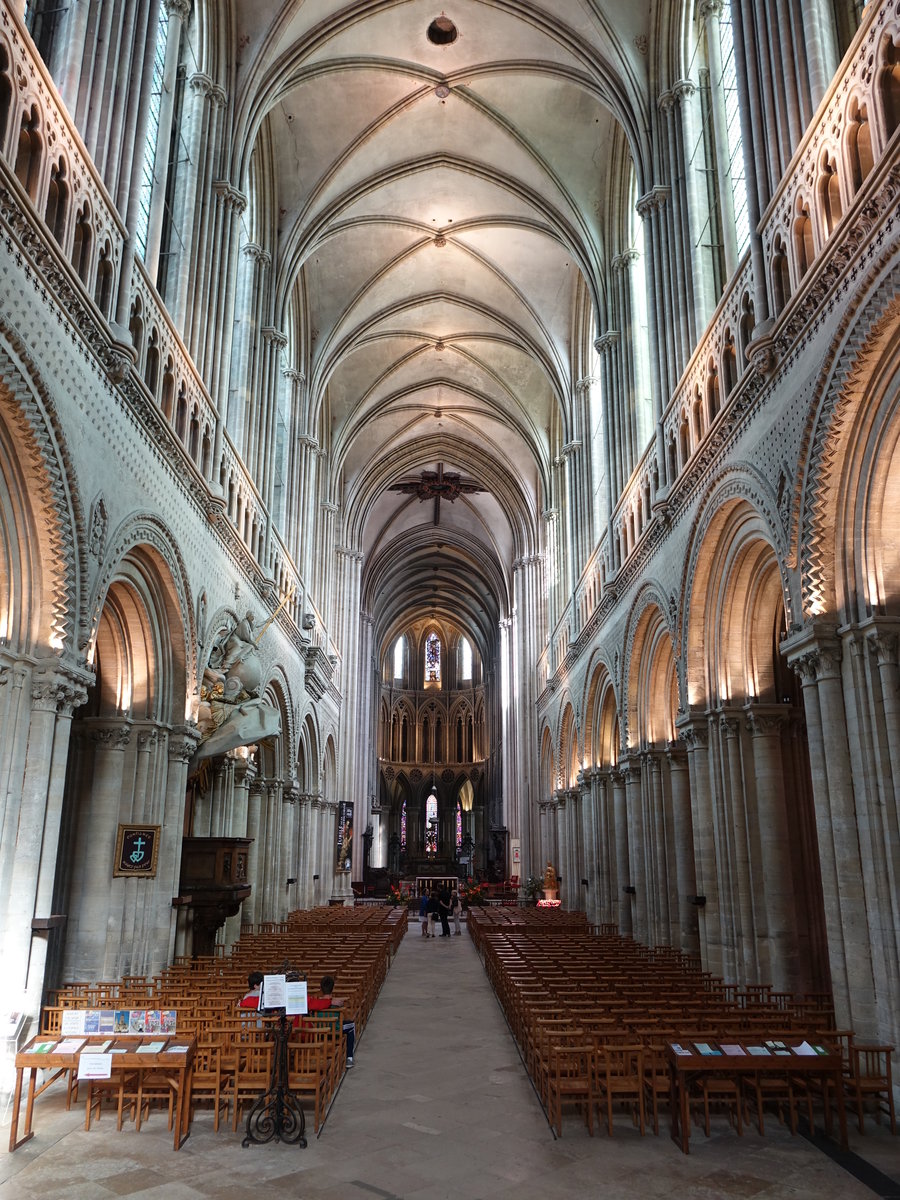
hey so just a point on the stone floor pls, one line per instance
(438, 1107)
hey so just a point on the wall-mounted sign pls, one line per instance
(137, 847)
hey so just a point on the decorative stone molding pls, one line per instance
(605, 343)
(99, 523)
(183, 741)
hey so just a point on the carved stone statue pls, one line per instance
(551, 883)
(231, 712)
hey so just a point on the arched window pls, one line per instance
(28, 158)
(57, 201)
(465, 659)
(151, 369)
(399, 656)
(82, 242)
(459, 826)
(859, 144)
(431, 823)
(146, 191)
(403, 826)
(6, 94)
(889, 86)
(803, 239)
(781, 277)
(830, 195)
(103, 287)
(432, 658)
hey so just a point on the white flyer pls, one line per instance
(94, 1066)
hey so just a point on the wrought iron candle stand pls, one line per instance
(277, 1113)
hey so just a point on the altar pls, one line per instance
(435, 882)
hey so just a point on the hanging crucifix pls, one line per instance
(435, 485)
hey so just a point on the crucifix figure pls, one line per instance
(435, 485)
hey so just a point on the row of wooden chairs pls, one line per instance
(592, 1012)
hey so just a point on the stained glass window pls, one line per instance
(458, 826)
(431, 824)
(432, 658)
(403, 826)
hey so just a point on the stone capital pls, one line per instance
(183, 741)
(605, 343)
(181, 9)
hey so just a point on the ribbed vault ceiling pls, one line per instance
(442, 213)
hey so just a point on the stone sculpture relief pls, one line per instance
(231, 711)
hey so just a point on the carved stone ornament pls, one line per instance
(99, 524)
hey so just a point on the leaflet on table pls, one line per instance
(295, 998)
(177, 1049)
(804, 1048)
(732, 1049)
(69, 1046)
(272, 992)
(150, 1048)
(680, 1050)
(757, 1050)
(95, 1066)
(706, 1049)
(40, 1048)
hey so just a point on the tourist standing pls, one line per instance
(423, 911)
(455, 910)
(444, 910)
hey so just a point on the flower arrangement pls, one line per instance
(396, 895)
(472, 893)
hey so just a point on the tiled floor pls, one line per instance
(438, 1107)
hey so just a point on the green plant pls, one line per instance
(533, 888)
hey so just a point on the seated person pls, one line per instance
(251, 996)
(326, 1001)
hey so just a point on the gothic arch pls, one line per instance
(741, 500)
(730, 635)
(851, 446)
(548, 782)
(143, 551)
(567, 755)
(44, 558)
(652, 682)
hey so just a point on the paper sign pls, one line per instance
(95, 1066)
(295, 998)
(272, 995)
(72, 1021)
(69, 1046)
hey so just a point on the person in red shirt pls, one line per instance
(327, 1000)
(250, 998)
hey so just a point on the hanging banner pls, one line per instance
(344, 836)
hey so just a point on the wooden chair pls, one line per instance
(778, 1089)
(209, 1082)
(619, 1076)
(657, 1085)
(570, 1080)
(870, 1077)
(252, 1074)
(307, 1075)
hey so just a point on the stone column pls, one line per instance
(95, 844)
(684, 848)
(775, 842)
(252, 907)
(738, 802)
(815, 653)
(637, 848)
(694, 732)
(32, 812)
(624, 900)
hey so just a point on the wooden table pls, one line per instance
(684, 1068)
(177, 1067)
